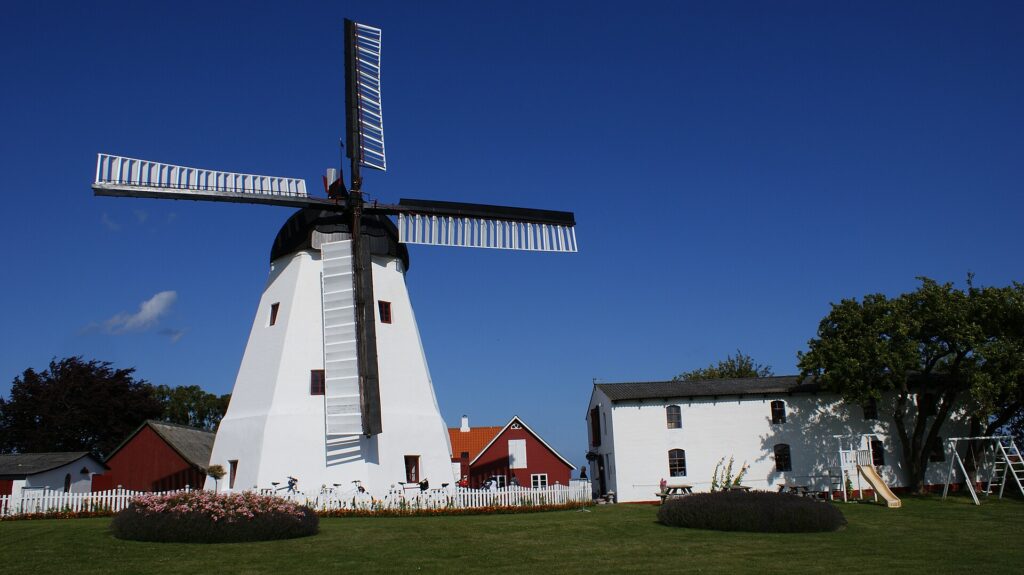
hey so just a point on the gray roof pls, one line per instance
(194, 445)
(706, 388)
(20, 465)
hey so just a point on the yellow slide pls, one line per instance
(869, 473)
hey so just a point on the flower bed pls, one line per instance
(207, 517)
(757, 511)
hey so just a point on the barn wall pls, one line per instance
(147, 463)
(539, 459)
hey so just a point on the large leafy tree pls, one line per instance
(191, 405)
(74, 405)
(731, 367)
(937, 349)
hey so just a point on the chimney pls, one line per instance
(465, 424)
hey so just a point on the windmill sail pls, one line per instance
(363, 113)
(120, 176)
(351, 406)
(481, 226)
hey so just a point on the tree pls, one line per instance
(936, 349)
(74, 405)
(191, 405)
(730, 368)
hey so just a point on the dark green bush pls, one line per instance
(196, 527)
(756, 511)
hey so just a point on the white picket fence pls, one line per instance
(32, 501)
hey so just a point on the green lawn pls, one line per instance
(925, 535)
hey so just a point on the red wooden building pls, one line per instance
(158, 456)
(513, 454)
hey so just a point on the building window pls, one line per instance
(67, 483)
(677, 463)
(538, 480)
(938, 453)
(517, 454)
(877, 452)
(870, 409)
(500, 481)
(384, 307)
(232, 471)
(783, 462)
(595, 428)
(273, 313)
(412, 467)
(673, 417)
(316, 382)
(778, 411)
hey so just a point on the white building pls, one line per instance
(70, 472)
(275, 426)
(641, 433)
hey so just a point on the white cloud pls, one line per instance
(141, 216)
(109, 223)
(147, 316)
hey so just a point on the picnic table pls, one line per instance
(801, 490)
(674, 491)
(736, 488)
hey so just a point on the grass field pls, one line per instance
(926, 535)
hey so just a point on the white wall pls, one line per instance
(274, 427)
(54, 478)
(741, 428)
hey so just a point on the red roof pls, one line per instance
(472, 441)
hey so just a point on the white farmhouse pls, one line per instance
(782, 428)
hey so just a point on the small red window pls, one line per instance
(384, 307)
(316, 382)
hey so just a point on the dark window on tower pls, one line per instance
(938, 452)
(778, 411)
(412, 464)
(316, 382)
(384, 307)
(782, 459)
(595, 427)
(273, 312)
(870, 409)
(233, 466)
(673, 417)
(877, 452)
(677, 463)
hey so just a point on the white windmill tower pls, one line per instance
(334, 386)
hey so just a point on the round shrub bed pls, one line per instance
(207, 517)
(758, 511)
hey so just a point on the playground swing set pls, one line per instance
(999, 461)
(856, 460)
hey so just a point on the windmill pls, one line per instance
(370, 413)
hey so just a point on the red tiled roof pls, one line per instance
(472, 441)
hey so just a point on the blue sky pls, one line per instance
(734, 168)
